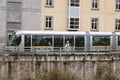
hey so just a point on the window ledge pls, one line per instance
(117, 10)
(48, 28)
(96, 30)
(10, 21)
(117, 30)
(49, 6)
(69, 29)
(94, 8)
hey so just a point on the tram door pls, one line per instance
(27, 43)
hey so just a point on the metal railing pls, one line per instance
(57, 54)
(56, 49)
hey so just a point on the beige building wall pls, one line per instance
(106, 14)
(59, 12)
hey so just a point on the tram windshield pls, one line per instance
(15, 41)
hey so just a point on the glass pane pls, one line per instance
(42, 40)
(13, 26)
(14, 11)
(70, 39)
(79, 41)
(118, 40)
(27, 40)
(45, 41)
(16, 41)
(101, 41)
(58, 41)
(36, 40)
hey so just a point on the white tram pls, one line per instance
(29, 40)
(33, 40)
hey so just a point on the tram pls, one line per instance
(52, 40)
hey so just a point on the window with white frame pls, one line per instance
(117, 4)
(49, 3)
(117, 24)
(74, 3)
(95, 4)
(74, 23)
(94, 24)
(48, 22)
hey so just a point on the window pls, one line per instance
(94, 24)
(16, 41)
(13, 25)
(74, 3)
(117, 4)
(49, 3)
(14, 11)
(74, 23)
(58, 41)
(117, 25)
(48, 22)
(95, 4)
(42, 40)
(27, 41)
(70, 39)
(118, 40)
(101, 40)
(79, 41)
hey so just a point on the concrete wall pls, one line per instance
(31, 15)
(2, 23)
(21, 69)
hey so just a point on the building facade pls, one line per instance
(80, 15)
(59, 15)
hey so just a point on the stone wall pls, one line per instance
(18, 69)
(27, 69)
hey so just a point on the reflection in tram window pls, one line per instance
(58, 41)
(79, 41)
(101, 40)
(38, 40)
(118, 40)
(69, 38)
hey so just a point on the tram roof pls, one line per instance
(28, 32)
(100, 33)
(117, 33)
(49, 32)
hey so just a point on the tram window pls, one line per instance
(42, 40)
(101, 40)
(70, 39)
(27, 40)
(16, 41)
(36, 40)
(58, 41)
(79, 41)
(118, 40)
